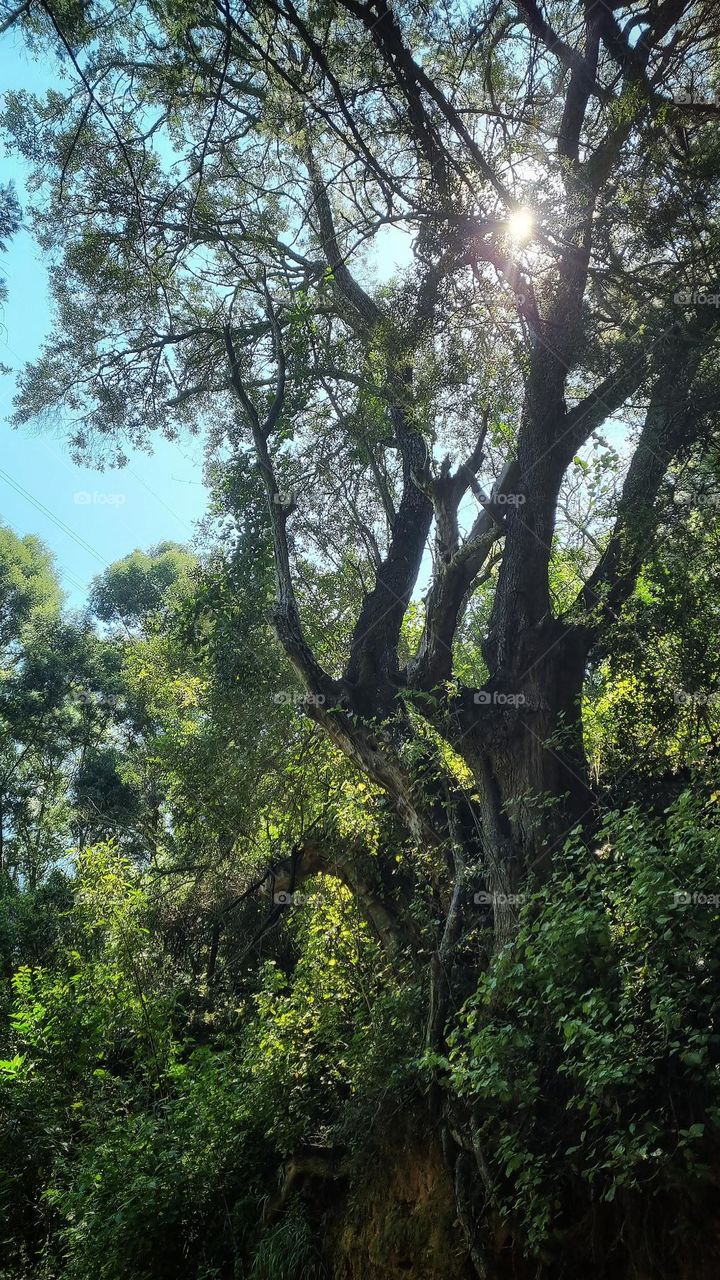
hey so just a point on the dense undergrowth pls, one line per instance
(143, 1136)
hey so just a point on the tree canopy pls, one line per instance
(438, 287)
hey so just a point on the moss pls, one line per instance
(399, 1222)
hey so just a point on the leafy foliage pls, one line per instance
(590, 1047)
(284, 818)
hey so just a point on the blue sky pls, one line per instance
(88, 518)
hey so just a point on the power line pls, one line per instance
(64, 528)
(162, 501)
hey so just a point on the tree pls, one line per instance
(31, 602)
(9, 222)
(221, 184)
(62, 694)
(28, 587)
(139, 583)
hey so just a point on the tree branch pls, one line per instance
(672, 421)
(285, 613)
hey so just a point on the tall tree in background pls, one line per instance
(61, 690)
(222, 188)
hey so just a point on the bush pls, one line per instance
(590, 1049)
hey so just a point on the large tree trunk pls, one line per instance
(524, 746)
(531, 779)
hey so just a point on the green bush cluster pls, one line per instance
(136, 1141)
(590, 1051)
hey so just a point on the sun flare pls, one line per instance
(520, 224)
